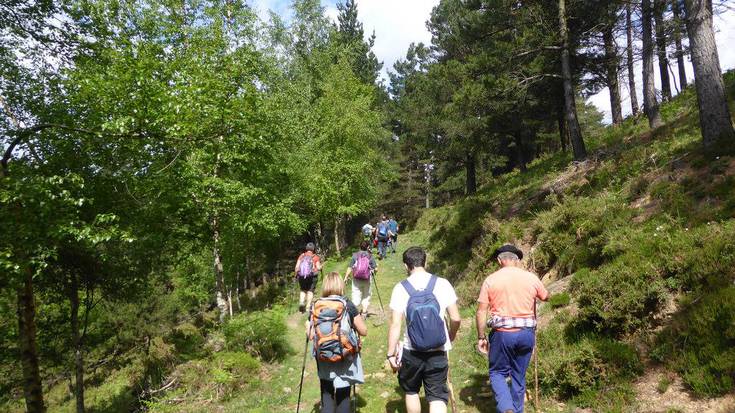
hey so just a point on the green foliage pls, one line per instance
(261, 333)
(574, 232)
(700, 343)
(618, 298)
(578, 365)
(559, 300)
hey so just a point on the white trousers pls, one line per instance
(361, 292)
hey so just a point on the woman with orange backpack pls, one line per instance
(335, 327)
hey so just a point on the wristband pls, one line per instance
(482, 338)
(389, 356)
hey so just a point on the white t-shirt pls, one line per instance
(443, 291)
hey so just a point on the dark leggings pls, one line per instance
(334, 401)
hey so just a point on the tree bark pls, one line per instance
(676, 8)
(635, 109)
(219, 273)
(612, 62)
(337, 248)
(563, 137)
(661, 46)
(520, 156)
(471, 174)
(32, 390)
(714, 114)
(77, 344)
(427, 173)
(650, 103)
(570, 106)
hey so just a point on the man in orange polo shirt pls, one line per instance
(509, 295)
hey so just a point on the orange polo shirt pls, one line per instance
(511, 292)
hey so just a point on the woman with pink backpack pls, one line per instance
(361, 268)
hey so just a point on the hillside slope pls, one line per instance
(637, 243)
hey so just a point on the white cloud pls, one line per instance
(397, 23)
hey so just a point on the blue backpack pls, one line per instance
(383, 230)
(425, 327)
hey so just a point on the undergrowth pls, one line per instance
(647, 218)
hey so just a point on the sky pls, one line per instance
(397, 23)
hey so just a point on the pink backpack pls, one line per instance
(362, 267)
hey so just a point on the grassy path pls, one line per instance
(278, 391)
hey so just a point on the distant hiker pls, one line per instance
(368, 233)
(335, 327)
(393, 227)
(382, 234)
(307, 268)
(362, 266)
(423, 300)
(510, 295)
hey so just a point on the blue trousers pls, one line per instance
(510, 353)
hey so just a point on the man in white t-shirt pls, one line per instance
(428, 368)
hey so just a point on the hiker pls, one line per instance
(423, 300)
(335, 328)
(393, 226)
(382, 234)
(307, 268)
(368, 232)
(362, 267)
(509, 294)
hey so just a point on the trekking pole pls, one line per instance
(452, 400)
(303, 367)
(535, 360)
(377, 292)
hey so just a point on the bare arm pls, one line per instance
(454, 321)
(348, 273)
(307, 327)
(480, 322)
(394, 332)
(360, 326)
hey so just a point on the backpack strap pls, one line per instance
(412, 291)
(408, 287)
(432, 283)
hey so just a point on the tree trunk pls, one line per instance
(32, 390)
(714, 114)
(650, 103)
(219, 273)
(675, 7)
(427, 172)
(520, 157)
(570, 106)
(238, 284)
(77, 344)
(661, 46)
(612, 62)
(563, 137)
(635, 109)
(337, 248)
(471, 174)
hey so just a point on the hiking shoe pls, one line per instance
(302, 308)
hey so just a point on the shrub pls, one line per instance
(559, 300)
(700, 343)
(618, 298)
(572, 365)
(188, 340)
(573, 234)
(262, 333)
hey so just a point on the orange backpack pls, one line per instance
(334, 338)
